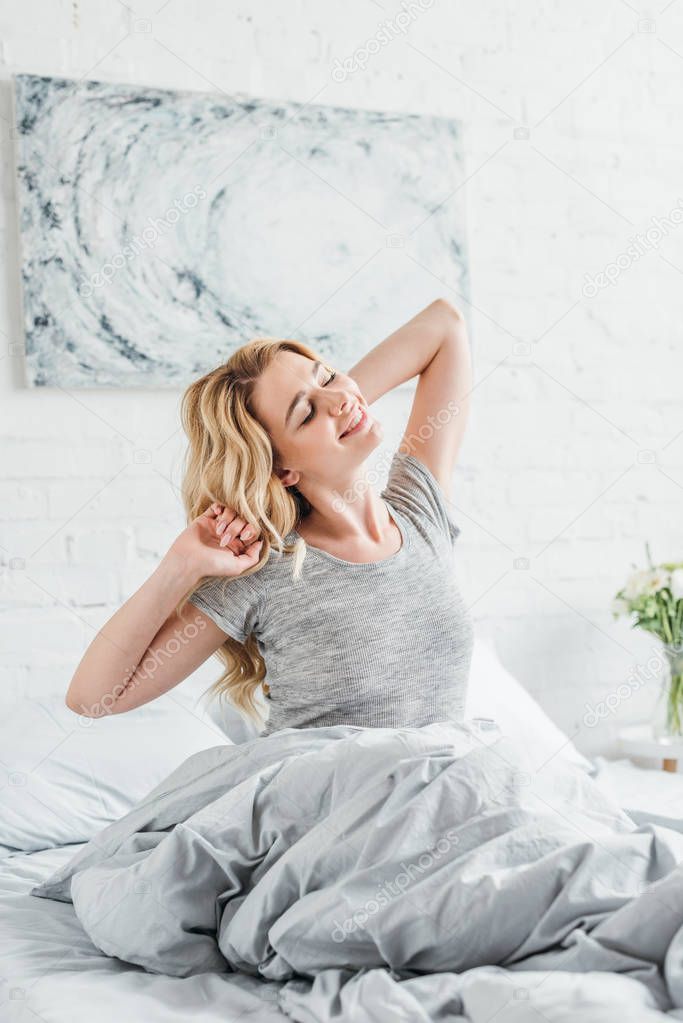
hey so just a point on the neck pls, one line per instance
(350, 512)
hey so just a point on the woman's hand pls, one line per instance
(218, 543)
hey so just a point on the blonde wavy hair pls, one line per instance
(231, 459)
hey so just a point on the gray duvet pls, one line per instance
(417, 874)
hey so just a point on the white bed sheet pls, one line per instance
(650, 791)
(51, 971)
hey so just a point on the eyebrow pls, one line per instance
(299, 394)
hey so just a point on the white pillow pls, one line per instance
(63, 776)
(494, 693)
(236, 726)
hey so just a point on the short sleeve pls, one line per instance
(232, 603)
(419, 494)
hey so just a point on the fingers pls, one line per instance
(235, 528)
(214, 510)
(251, 553)
(248, 558)
(229, 525)
(223, 517)
(230, 529)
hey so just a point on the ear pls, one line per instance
(288, 477)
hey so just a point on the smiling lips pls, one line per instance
(358, 425)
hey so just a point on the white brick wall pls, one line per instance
(558, 421)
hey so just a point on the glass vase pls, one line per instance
(668, 717)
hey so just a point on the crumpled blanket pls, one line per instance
(418, 874)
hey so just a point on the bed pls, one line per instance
(63, 784)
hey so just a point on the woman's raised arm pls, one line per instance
(434, 345)
(406, 351)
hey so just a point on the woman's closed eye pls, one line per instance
(312, 412)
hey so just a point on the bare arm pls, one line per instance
(110, 677)
(406, 352)
(434, 345)
(146, 648)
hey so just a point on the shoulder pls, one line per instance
(243, 604)
(237, 604)
(414, 490)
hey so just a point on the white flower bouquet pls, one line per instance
(654, 597)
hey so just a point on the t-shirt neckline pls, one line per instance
(398, 555)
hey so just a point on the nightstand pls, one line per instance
(638, 741)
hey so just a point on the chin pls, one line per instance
(372, 440)
(376, 433)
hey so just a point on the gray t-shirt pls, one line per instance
(381, 644)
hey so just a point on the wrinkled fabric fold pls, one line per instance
(412, 867)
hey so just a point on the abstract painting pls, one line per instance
(160, 229)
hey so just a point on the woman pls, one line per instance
(337, 604)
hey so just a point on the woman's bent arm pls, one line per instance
(406, 352)
(146, 648)
(105, 681)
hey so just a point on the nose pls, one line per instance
(342, 403)
(341, 400)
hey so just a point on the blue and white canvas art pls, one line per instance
(160, 230)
